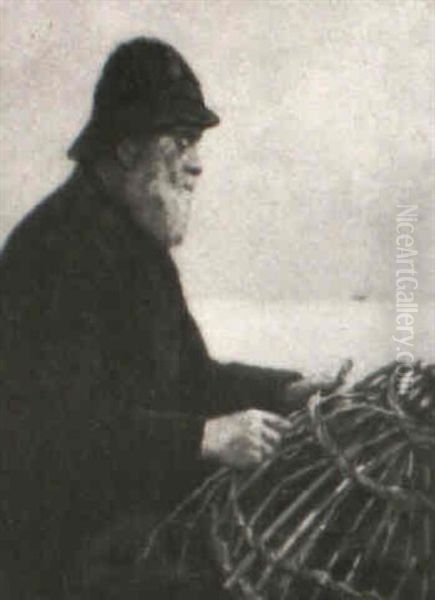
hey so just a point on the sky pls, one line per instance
(327, 124)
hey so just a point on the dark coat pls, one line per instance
(106, 381)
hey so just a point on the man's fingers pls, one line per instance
(311, 385)
(344, 370)
(267, 449)
(271, 435)
(264, 442)
(279, 424)
(302, 387)
(327, 383)
(256, 456)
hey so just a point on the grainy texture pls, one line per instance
(105, 382)
(345, 509)
(326, 122)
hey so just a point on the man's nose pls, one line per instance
(193, 162)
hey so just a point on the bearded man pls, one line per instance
(111, 408)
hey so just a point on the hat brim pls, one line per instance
(205, 118)
(86, 142)
(93, 138)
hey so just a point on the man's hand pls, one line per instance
(299, 392)
(243, 439)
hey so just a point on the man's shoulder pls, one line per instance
(78, 230)
(45, 225)
(50, 251)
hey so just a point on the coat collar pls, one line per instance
(111, 226)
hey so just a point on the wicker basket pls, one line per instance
(344, 509)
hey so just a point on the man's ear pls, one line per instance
(127, 153)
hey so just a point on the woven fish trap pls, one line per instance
(346, 506)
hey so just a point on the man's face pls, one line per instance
(161, 182)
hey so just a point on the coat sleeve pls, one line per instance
(207, 388)
(238, 386)
(232, 387)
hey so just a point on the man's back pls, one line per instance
(92, 325)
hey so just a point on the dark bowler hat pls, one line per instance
(145, 86)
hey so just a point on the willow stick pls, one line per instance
(370, 504)
(390, 522)
(409, 560)
(367, 381)
(312, 518)
(292, 478)
(428, 540)
(247, 561)
(274, 527)
(195, 495)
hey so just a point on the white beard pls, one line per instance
(157, 195)
(175, 203)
